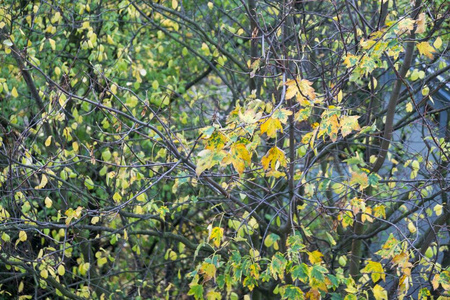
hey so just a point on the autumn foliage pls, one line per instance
(224, 149)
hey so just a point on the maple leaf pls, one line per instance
(250, 116)
(306, 90)
(274, 157)
(216, 236)
(421, 22)
(349, 123)
(293, 292)
(405, 25)
(315, 257)
(208, 270)
(351, 60)
(375, 269)
(379, 293)
(238, 156)
(270, 126)
(278, 266)
(208, 159)
(196, 290)
(216, 141)
(367, 64)
(303, 114)
(329, 126)
(361, 179)
(426, 49)
(282, 115)
(291, 90)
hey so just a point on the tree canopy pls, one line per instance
(226, 149)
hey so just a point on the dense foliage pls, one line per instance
(224, 149)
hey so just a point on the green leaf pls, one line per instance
(300, 272)
(196, 290)
(278, 266)
(293, 293)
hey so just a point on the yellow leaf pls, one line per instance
(52, 44)
(109, 40)
(291, 91)
(426, 49)
(270, 126)
(238, 156)
(117, 197)
(14, 92)
(95, 220)
(409, 107)
(22, 236)
(306, 92)
(142, 197)
(438, 43)
(435, 281)
(250, 116)
(216, 236)
(44, 273)
(375, 269)
(421, 22)
(48, 202)
(315, 257)
(174, 4)
(379, 293)
(48, 141)
(274, 157)
(438, 209)
(208, 270)
(411, 227)
(43, 183)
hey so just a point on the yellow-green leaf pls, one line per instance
(61, 270)
(438, 43)
(207, 159)
(348, 124)
(361, 179)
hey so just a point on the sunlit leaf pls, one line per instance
(426, 49)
